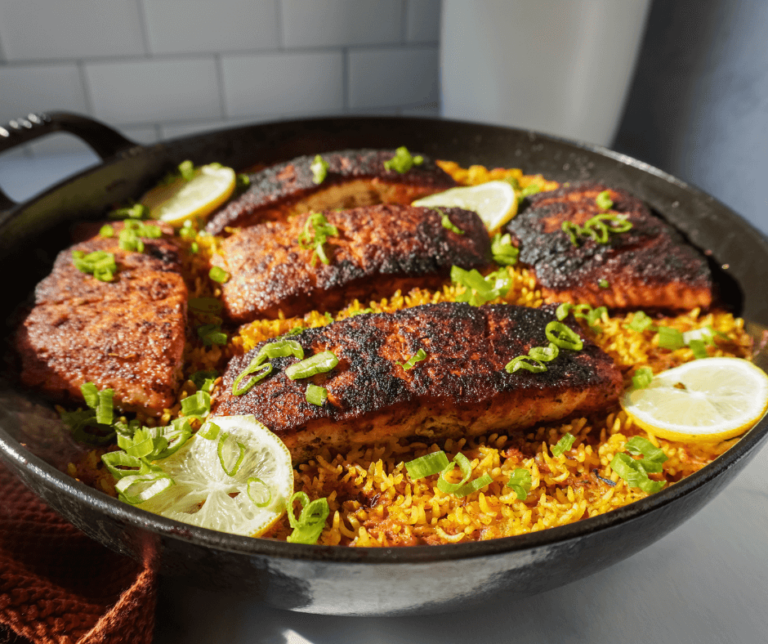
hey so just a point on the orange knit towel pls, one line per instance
(57, 585)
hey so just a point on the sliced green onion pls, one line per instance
(447, 223)
(432, 463)
(479, 289)
(209, 431)
(529, 190)
(200, 378)
(706, 334)
(563, 336)
(99, 263)
(198, 404)
(603, 283)
(212, 334)
(120, 464)
(91, 394)
(315, 233)
(282, 349)
(640, 322)
(563, 310)
(218, 274)
(257, 496)
(670, 338)
(653, 457)
(604, 201)
(205, 305)
(188, 232)
(137, 211)
(529, 363)
(106, 231)
(634, 474)
(242, 181)
(360, 312)
(465, 466)
(563, 445)
(504, 253)
(573, 231)
(520, 483)
(411, 362)
(597, 230)
(316, 395)
(544, 354)
(309, 526)
(473, 486)
(141, 444)
(319, 169)
(319, 363)
(230, 471)
(595, 315)
(104, 415)
(699, 349)
(403, 161)
(259, 372)
(137, 488)
(173, 437)
(294, 331)
(642, 378)
(187, 170)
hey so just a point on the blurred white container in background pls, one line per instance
(558, 66)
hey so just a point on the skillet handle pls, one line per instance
(104, 141)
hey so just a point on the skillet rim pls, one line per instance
(94, 500)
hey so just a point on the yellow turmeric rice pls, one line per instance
(372, 500)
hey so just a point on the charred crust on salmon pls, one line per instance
(460, 389)
(378, 250)
(648, 266)
(354, 178)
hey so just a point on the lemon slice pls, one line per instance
(701, 401)
(494, 202)
(179, 200)
(246, 501)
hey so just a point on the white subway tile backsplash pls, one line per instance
(39, 88)
(339, 23)
(283, 83)
(393, 77)
(53, 29)
(59, 143)
(143, 134)
(183, 26)
(423, 21)
(185, 129)
(150, 91)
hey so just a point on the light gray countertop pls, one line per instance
(705, 583)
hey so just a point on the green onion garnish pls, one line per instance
(699, 348)
(242, 181)
(319, 363)
(121, 464)
(563, 445)
(204, 379)
(232, 470)
(416, 357)
(403, 161)
(528, 363)
(529, 190)
(218, 274)
(599, 228)
(211, 334)
(640, 322)
(319, 169)
(479, 289)
(259, 372)
(99, 263)
(137, 488)
(642, 378)
(309, 526)
(137, 211)
(187, 170)
(573, 231)
(204, 305)
(316, 395)
(198, 404)
(603, 283)
(604, 201)
(504, 253)
(360, 312)
(563, 336)
(520, 483)
(90, 394)
(104, 410)
(432, 463)
(464, 487)
(544, 354)
(653, 457)
(188, 231)
(282, 349)
(106, 231)
(563, 310)
(210, 431)
(258, 492)
(315, 234)
(670, 338)
(447, 223)
(634, 474)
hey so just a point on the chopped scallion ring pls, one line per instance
(218, 274)
(520, 483)
(137, 488)
(232, 470)
(282, 349)
(447, 223)
(563, 336)
(403, 161)
(121, 464)
(640, 322)
(563, 445)
(642, 378)
(699, 348)
(309, 526)
(465, 466)
(604, 201)
(106, 231)
(653, 457)
(137, 211)
(411, 362)
(198, 404)
(104, 414)
(316, 395)
(479, 289)
(212, 334)
(99, 263)
(529, 363)
(603, 283)
(258, 492)
(314, 240)
(504, 253)
(319, 363)
(544, 354)
(634, 474)
(319, 169)
(259, 372)
(670, 338)
(432, 463)
(209, 431)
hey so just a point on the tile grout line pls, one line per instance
(144, 28)
(280, 21)
(89, 105)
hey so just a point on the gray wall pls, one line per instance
(698, 106)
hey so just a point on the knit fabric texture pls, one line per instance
(59, 586)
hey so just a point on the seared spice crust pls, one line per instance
(354, 178)
(379, 249)
(461, 389)
(650, 266)
(127, 334)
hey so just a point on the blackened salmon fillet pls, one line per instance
(460, 389)
(649, 266)
(354, 178)
(378, 250)
(127, 334)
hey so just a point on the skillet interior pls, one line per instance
(346, 580)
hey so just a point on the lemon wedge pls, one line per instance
(701, 401)
(495, 202)
(234, 476)
(180, 200)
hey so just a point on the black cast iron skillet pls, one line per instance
(338, 580)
